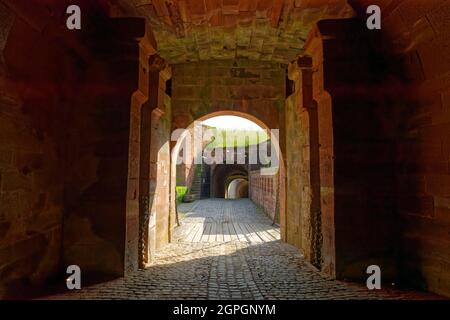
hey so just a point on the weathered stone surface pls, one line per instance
(240, 86)
(264, 192)
(423, 167)
(7, 20)
(189, 31)
(30, 214)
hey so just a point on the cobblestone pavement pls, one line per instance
(219, 220)
(232, 270)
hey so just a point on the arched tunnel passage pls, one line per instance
(223, 174)
(225, 162)
(237, 188)
(363, 119)
(250, 148)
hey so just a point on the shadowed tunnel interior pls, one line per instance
(237, 188)
(88, 171)
(221, 176)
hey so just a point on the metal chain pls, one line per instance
(144, 219)
(317, 239)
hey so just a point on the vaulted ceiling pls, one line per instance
(265, 30)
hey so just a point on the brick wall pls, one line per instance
(263, 191)
(242, 85)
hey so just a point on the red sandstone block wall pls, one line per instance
(264, 191)
(31, 194)
(419, 31)
(242, 85)
(66, 149)
(31, 169)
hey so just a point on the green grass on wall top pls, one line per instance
(226, 138)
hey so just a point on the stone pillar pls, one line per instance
(356, 195)
(151, 112)
(303, 170)
(280, 145)
(148, 106)
(314, 48)
(294, 145)
(312, 162)
(136, 202)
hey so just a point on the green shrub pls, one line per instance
(181, 192)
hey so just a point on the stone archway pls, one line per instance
(364, 136)
(276, 146)
(237, 188)
(222, 175)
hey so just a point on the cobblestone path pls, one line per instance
(219, 220)
(248, 267)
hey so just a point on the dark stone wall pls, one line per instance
(64, 134)
(416, 40)
(357, 136)
(33, 84)
(97, 141)
(423, 149)
(384, 175)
